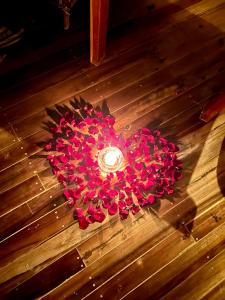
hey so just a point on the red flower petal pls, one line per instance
(135, 209)
(124, 214)
(112, 194)
(48, 147)
(93, 130)
(129, 201)
(99, 215)
(112, 209)
(82, 169)
(83, 223)
(151, 199)
(91, 140)
(139, 166)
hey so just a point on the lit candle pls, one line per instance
(110, 159)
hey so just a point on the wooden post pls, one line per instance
(99, 11)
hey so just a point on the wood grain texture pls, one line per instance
(19, 194)
(188, 262)
(8, 136)
(216, 292)
(21, 171)
(160, 70)
(200, 281)
(49, 277)
(14, 220)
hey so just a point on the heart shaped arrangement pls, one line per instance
(148, 174)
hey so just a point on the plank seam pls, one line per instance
(42, 184)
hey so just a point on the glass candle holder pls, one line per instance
(110, 159)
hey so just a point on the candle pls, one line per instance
(110, 159)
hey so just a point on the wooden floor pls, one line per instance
(159, 72)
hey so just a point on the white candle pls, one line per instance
(110, 159)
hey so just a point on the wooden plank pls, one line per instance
(14, 220)
(208, 220)
(47, 178)
(200, 281)
(165, 112)
(22, 149)
(197, 9)
(207, 169)
(217, 292)
(11, 154)
(30, 211)
(16, 269)
(159, 75)
(20, 172)
(7, 136)
(188, 210)
(48, 278)
(46, 201)
(200, 253)
(33, 123)
(99, 273)
(20, 194)
(35, 233)
(202, 165)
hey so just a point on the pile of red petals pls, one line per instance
(150, 173)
